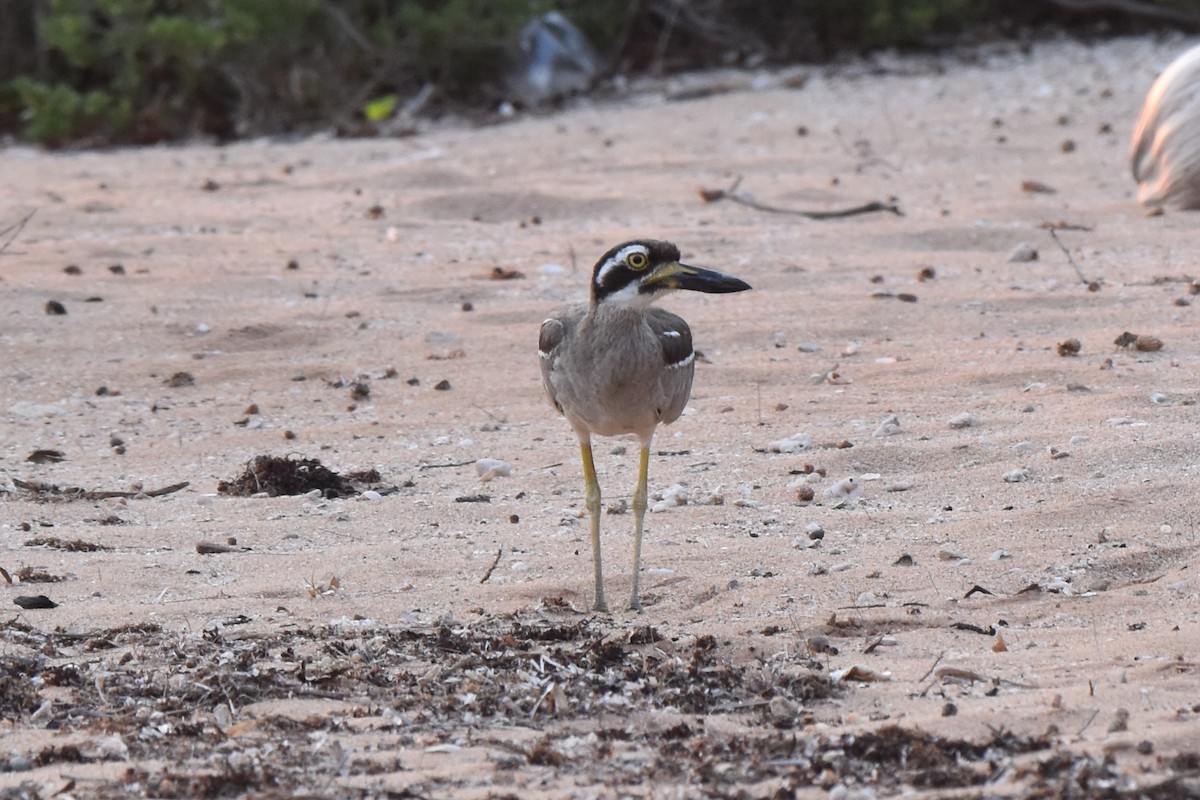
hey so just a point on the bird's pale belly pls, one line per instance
(629, 406)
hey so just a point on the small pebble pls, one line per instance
(964, 420)
(947, 553)
(814, 531)
(1018, 475)
(1022, 253)
(889, 427)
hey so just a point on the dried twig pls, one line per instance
(492, 568)
(932, 666)
(15, 229)
(713, 195)
(75, 493)
(443, 466)
(1053, 229)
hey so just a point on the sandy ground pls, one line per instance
(1064, 487)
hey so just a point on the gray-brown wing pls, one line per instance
(553, 337)
(679, 361)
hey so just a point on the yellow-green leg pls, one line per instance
(592, 498)
(640, 495)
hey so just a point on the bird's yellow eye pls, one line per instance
(637, 261)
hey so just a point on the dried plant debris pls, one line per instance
(37, 575)
(50, 491)
(678, 710)
(70, 546)
(1070, 347)
(46, 457)
(277, 475)
(180, 379)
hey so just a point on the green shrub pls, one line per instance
(146, 70)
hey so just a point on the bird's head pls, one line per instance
(636, 273)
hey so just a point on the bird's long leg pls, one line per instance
(592, 498)
(640, 495)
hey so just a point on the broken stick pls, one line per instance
(713, 195)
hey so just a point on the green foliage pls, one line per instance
(58, 114)
(380, 108)
(146, 70)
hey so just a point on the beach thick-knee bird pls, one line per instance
(618, 365)
(1165, 154)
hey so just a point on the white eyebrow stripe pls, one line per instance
(671, 333)
(624, 252)
(618, 258)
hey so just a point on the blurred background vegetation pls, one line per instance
(98, 72)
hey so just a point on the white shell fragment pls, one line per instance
(1018, 475)
(846, 490)
(489, 468)
(674, 495)
(793, 444)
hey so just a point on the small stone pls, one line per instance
(947, 553)
(964, 420)
(1147, 344)
(1022, 253)
(814, 531)
(1018, 475)
(889, 427)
